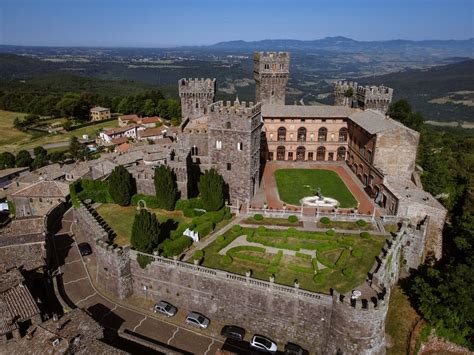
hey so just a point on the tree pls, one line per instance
(7, 160)
(39, 161)
(211, 187)
(77, 149)
(120, 186)
(145, 232)
(349, 92)
(40, 151)
(23, 158)
(149, 108)
(401, 111)
(56, 157)
(166, 188)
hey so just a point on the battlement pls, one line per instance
(271, 62)
(374, 303)
(242, 109)
(375, 92)
(197, 86)
(343, 86)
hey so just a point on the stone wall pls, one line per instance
(271, 72)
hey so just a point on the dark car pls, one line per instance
(85, 249)
(233, 332)
(294, 349)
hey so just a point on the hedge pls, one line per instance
(175, 247)
(314, 261)
(276, 260)
(96, 190)
(348, 272)
(365, 235)
(357, 253)
(236, 228)
(324, 261)
(343, 257)
(150, 201)
(204, 229)
(188, 207)
(234, 253)
(144, 260)
(361, 223)
(331, 232)
(303, 255)
(258, 217)
(325, 220)
(220, 239)
(198, 254)
(319, 278)
(226, 260)
(292, 219)
(273, 269)
(297, 268)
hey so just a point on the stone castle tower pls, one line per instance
(365, 97)
(271, 71)
(234, 146)
(196, 95)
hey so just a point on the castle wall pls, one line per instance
(196, 95)
(271, 73)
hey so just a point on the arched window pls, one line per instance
(322, 134)
(302, 134)
(218, 144)
(300, 153)
(321, 153)
(228, 125)
(281, 153)
(341, 153)
(282, 134)
(343, 134)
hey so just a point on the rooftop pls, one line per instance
(23, 226)
(151, 132)
(119, 130)
(44, 189)
(11, 171)
(373, 121)
(31, 256)
(153, 119)
(129, 117)
(296, 111)
(99, 109)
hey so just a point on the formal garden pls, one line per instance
(294, 184)
(317, 261)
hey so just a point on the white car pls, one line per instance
(165, 308)
(197, 320)
(262, 343)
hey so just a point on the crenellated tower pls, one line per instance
(271, 71)
(196, 95)
(344, 93)
(374, 97)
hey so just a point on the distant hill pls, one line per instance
(441, 48)
(450, 88)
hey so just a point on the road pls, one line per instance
(80, 291)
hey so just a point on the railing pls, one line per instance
(230, 277)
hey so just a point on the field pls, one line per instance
(120, 219)
(13, 140)
(318, 261)
(294, 184)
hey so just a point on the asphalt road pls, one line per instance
(79, 291)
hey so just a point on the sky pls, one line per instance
(167, 23)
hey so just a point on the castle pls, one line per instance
(236, 138)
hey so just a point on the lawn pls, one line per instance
(333, 267)
(294, 184)
(120, 219)
(13, 140)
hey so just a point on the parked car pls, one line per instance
(165, 308)
(197, 320)
(263, 344)
(233, 332)
(294, 349)
(85, 249)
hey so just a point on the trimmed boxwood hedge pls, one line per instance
(292, 219)
(234, 253)
(325, 220)
(226, 260)
(361, 223)
(198, 254)
(297, 268)
(357, 253)
(331, 232)
(365, 235)
(324, 261)
(258, 217)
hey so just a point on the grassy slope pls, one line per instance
(292, 186)
(14, 140)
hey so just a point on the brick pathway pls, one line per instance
(366, 205)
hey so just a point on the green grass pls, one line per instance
(13, 140)
(120, 219)
(291, 268)
(294, 184)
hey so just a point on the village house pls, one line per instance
(100, 113)
(128, 132)
(127, 120)
(8, 175)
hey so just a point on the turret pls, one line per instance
(271, 71)
(196, 95)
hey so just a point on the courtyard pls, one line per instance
(317, 261)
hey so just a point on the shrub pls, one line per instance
(324, 261)
(319, 278)
(365, 235)
(300, 269)
(258, 217)
(292, 219)
(261, 229)
(361, 223)
(314, 262)
(331, 232)
(325, 220)
(227, 213)
(234, 253)
(121, 186)
(348, 272)
(144, 260)
(272, 269)
(357, 253)
(190, 203)
(198, 254)
(220, 239)
(276, 260)
(236, 228)
(165, 187)
(226, 260)
(175, 247)
(204, 229)
(343, 257)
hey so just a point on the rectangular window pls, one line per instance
(218, 144)
(290, 155)
(228, 166)
(270, 156)
(310, 155)
(240, 146)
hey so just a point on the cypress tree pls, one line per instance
(211, 188)
(166, 188)
(145, 232)
(120, 186)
